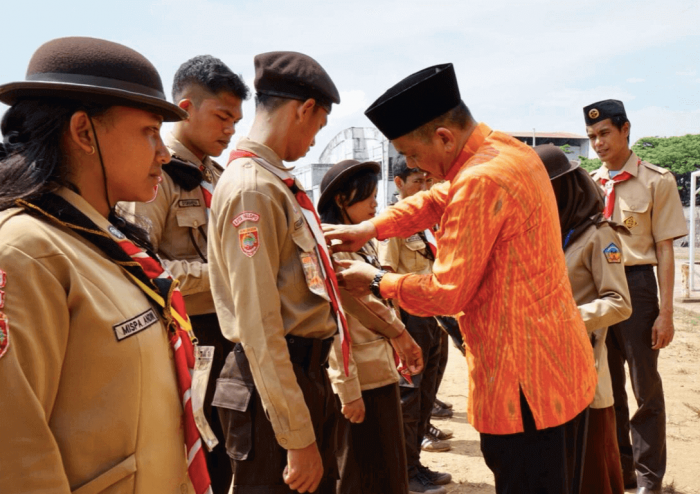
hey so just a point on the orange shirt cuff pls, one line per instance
(389, 286)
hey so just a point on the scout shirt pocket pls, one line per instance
(233, 396)
(375, 363)
(122, 474)
(193, 218)
(310, 263)
(636, 215)
(413, 258)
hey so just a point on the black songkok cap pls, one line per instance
(603, 109)
(416, 100)
(288, 74)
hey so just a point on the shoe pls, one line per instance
(440, 413)
(440, 434)
(433, 445)
(629, 479)
(443, 404)
(437, 478)
(420, 484)
(648, 490)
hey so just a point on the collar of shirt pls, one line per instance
(476, 139)
(630, 166)
(177, 148)
(86, 208)
(264, 152)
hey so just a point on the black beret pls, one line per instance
(416, 100)
(93, 70)
(339, 173)
(555, 161)
(603, 109)
(289, 74)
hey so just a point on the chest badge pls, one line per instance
(630, 222)
(249, 240)
(613, 254)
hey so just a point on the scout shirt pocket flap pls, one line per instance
(414, 242)
(191, 217)
(634, 212)
(109, 478)
(233, 398)
(310, 263)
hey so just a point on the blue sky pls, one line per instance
(520, 65)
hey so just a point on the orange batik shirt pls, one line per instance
(500, 267)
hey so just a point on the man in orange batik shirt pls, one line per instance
(500, 266)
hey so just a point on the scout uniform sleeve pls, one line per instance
(348, 388)
(193, 275)
(470, 229)
(667, 220)
(390, 253)
(35, 331)
(403, 220)
(251, 255)
(613, 304)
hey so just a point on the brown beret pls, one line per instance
(555, 161)
(603, 109)
(416, 100)
(293, 75)
(93, 70)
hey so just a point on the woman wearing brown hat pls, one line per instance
(372, 454)
(594, 263)
(95, 345)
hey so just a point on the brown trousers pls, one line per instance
(602, 471)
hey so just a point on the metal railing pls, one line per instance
(693, 192)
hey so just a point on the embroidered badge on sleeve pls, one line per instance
(3, 278)
(249, 241)
(4, 334)
(245, 216)
(2, 299)
(613, 254)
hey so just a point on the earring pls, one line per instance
(92, 151)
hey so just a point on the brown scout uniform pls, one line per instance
(405, 255)
(258, 239)
(87, 406)
(179, 222)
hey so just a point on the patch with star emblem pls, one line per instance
(630, 222)
(613, 254)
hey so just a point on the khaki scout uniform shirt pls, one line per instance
(83, 408)
(599, 285)
(258, 238)
(648, 204)
(372, 362)
(178, 218)
(405, 255)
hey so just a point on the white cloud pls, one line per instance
(635, 80)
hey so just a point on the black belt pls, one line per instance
(639, 267)
(308, 352)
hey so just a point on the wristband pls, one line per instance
(374, 285)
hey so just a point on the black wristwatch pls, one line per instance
(374, 285)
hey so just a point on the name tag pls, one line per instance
(135, 325)
(414, 238)
(188, 203)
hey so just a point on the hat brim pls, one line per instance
(332, 187)
(573, 164)
(14, 91)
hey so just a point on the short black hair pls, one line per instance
(211, 74)
(459, 117)
(400, 168)
(362, 183)
(619, 121)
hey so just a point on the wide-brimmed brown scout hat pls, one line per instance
(337, 174)
(95, 71)
(555, 161)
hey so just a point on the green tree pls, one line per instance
(679, 154)
(590, 165)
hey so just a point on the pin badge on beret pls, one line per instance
(594, 113)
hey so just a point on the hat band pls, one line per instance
(326, 104)
(91, 80)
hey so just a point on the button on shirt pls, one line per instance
(648, 204)
(500, 266)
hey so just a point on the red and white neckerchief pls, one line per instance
(207, 188)
(609, 187)
(314, 223)
(432, 243)
(183, 349)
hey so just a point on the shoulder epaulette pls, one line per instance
(656, 168)
(185, 174)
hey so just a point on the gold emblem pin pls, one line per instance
(594, 113)
(630, 222)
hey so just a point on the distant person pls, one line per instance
(212, 95)
(414, 254)
(372, 455)
(501, 267)
(644, 198)
(594, 262)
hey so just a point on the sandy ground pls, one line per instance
(680, 369)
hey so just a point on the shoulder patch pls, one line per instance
(135, 324)
(245, 216)
(613, 254)
(656, 168)
(2, 299)
(3, 278)
(249, 240)
(4, 334)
